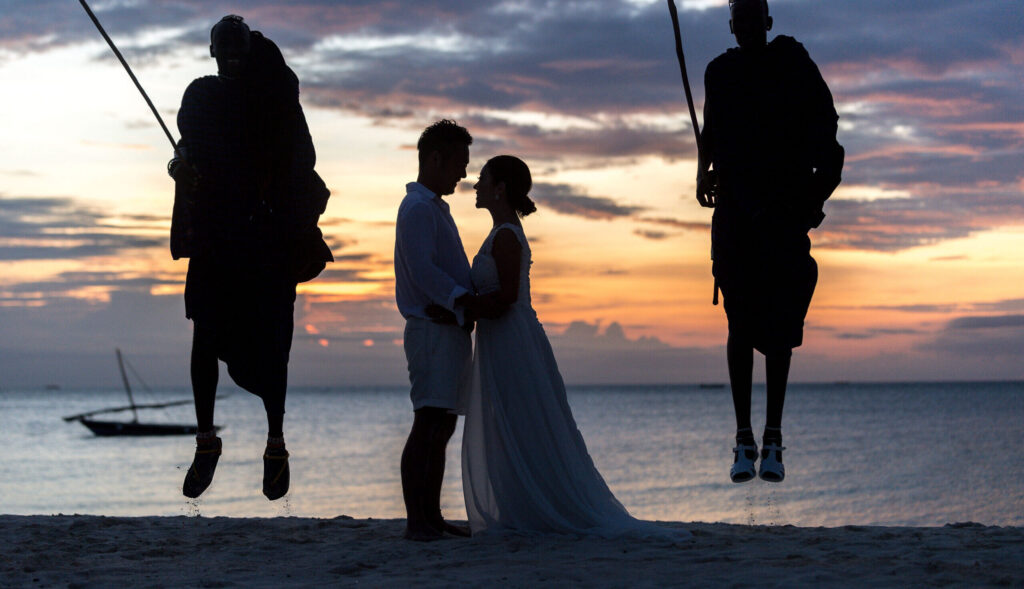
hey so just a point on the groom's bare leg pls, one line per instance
(416, 473)
(435, 469)
(435, 477)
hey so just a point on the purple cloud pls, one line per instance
(929, 93)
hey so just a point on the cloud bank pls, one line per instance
(929, 93)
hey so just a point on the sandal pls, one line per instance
(742, 469)
(275, 472)
(200, 474)
(772, 469)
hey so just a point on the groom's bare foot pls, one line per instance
(454, 530)
(422, 533)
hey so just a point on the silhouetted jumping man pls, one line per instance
(770, 140)
(246, 207)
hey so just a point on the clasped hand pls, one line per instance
(485, 306)
(439, 314)
(183, 173)
(707, 188)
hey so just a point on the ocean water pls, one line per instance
(921, 454)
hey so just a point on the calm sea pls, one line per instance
(872, 454)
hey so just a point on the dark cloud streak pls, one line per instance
(987, 322)
(565, 199)
(49, 228)
(929, 91)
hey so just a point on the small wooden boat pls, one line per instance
(133, 427)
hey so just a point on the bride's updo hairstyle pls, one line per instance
(516, 176)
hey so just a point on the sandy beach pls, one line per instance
(96, 551)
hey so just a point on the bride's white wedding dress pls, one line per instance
(525, 466)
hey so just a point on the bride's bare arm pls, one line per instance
(506, 252)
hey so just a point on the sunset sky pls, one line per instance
(920, 257)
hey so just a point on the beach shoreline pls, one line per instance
(98, 551)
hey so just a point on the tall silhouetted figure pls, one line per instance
(770, 139)
(246, 207)
(434, 293)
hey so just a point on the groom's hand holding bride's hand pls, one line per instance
(439, 314)
(491, 305)
(486, 306)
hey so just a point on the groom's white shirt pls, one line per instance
(430, 262)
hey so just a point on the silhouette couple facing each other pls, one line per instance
(515, 474)
(246, 208)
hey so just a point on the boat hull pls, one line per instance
(123, 428)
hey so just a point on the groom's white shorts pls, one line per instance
(440, 359)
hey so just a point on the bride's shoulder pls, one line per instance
(508, 236)
(508, 231)
(513, 228)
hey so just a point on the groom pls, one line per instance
(431, 270)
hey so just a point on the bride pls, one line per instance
(525, 466)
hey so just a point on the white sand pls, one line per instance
(94, 551)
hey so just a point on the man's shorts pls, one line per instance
(440, 359)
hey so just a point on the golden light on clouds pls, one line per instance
(340, 289)
(160, 290)
(23, 303)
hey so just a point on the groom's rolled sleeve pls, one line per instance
(417, 235)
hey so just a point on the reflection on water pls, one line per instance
(922, 454)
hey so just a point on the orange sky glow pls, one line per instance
(920, 267)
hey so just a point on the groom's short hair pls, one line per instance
(444, 136)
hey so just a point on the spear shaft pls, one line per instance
(689, 102)
(131, 74)
(682, 70)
